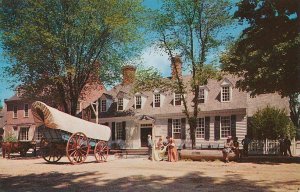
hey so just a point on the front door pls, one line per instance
(144, 136)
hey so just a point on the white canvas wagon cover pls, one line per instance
(55, 119)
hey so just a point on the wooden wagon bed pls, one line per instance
(64, 134)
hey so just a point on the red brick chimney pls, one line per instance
(128, 74)
(176, 66)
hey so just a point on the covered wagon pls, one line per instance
(64, 134)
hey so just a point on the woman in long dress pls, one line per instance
(172, 151)
(158, 151)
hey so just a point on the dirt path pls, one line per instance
(140, 174)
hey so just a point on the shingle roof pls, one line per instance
(239, 100)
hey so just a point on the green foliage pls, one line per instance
(191, 29)
(54, 45)
(149, 79)
(267, 53)
(10, 137)
(272, 123)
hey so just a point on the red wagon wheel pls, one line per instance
(77, 148)
(101, 151)
(49, 151)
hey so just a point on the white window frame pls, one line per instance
(176, 97)
(119, 131)
(200, 128)
(38, 134)
(200, 96)
(176, 128)
(138, 101)
(103, 103)
(23, 134)
(120, 102)
(225, 123)
(26, 113)
(229, 93)
(15, 111)
(156, 100)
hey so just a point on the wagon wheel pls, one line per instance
(101, 151)
(50, 152)
(77, 148)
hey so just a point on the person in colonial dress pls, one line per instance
(172, 151)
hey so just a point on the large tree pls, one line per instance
(191, 29)
(267, 53)
(57, 47)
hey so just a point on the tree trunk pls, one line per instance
(295, 112)
(193, 124)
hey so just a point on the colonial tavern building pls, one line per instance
(224, 111)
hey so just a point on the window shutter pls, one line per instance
(207, 128)
(183, 125)
(217, 127)
(124, 130)
(113, 130)
(170, 127)
(233, 125)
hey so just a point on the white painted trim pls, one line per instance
(27, 111)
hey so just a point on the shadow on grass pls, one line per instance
(94, 181)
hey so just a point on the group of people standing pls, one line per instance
(157, 150)
(285, 146)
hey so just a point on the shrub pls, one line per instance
(272, 123)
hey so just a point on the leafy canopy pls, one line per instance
(54, 45)
(267, 53)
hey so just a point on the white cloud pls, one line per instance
(153, 57)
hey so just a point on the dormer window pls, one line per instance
(225, 93)
(138, 102)
(201, 96)
(177, 99)
(120, 104)
(157, 100)
(103, 105)
(226, 90)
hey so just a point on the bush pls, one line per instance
(10, 138)
(272, 123)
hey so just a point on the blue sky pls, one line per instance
(151, 57)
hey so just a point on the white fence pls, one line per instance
(268, 147)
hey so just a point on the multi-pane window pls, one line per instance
(120, 104)
(15, 112)
(201, 96)
(177, 99)
(225, 93)
(176, 125)
(103, 105)
(26, 110)
(225, 126)
(138, 102)
(157, 100)
(38, 133)
(119, 130)
(200, 129)
(23, 135)
(78, 106)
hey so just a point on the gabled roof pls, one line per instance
(106, 96)
(212, 103)
(225, 82)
